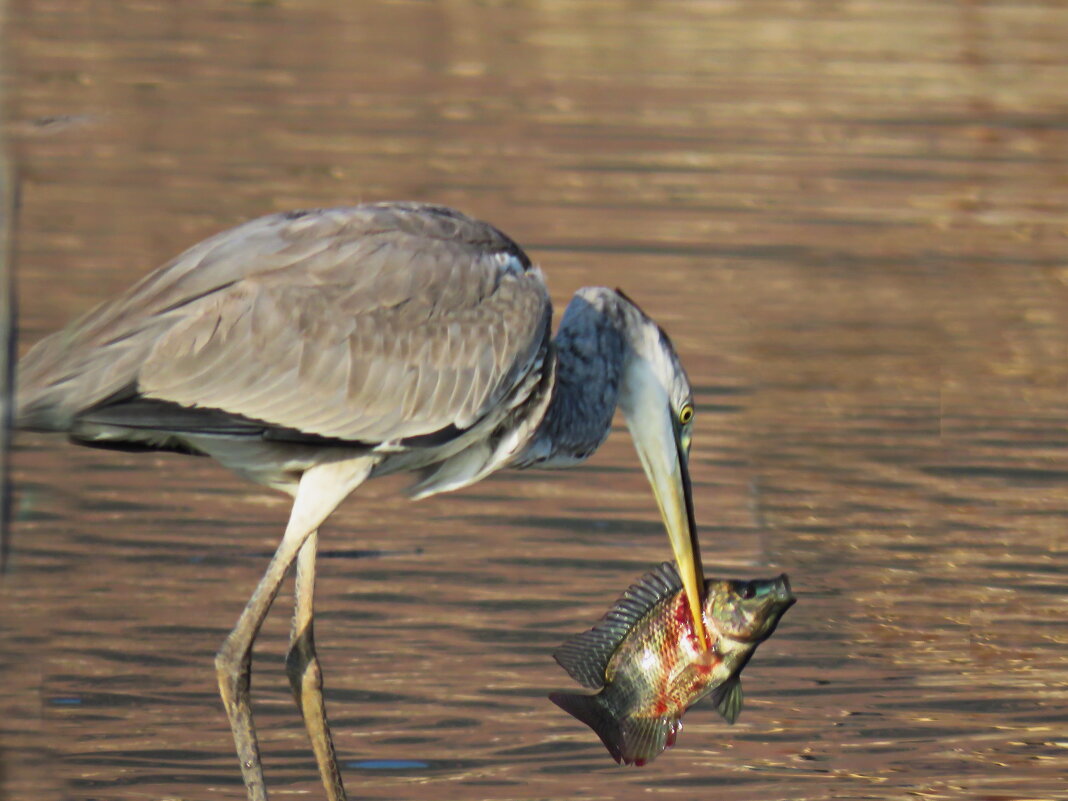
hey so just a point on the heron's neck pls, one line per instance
(593, 350)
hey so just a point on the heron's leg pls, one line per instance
(305, 674)
(320, 490)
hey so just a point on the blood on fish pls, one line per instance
(684, 619)
(648, 664)
(682, 614)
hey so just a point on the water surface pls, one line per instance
(851, 217)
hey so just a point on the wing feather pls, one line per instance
(432, 343)
(369, 324)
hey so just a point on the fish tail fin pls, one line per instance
(594, 712)
(630, 741)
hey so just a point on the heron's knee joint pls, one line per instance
(302, 667)
(232, 665)
(301, 647)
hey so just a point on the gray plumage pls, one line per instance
(387, 328)
(398, 320)
(312, 350)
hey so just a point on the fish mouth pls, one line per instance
(786, 592)
(776, 597)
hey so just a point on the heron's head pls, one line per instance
(653, 375)
(657, 402)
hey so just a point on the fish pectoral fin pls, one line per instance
(728, 698)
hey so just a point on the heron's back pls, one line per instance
(366, 324)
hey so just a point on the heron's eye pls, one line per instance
(686, 414)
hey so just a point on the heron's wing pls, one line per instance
(361, 364)
(368, 324)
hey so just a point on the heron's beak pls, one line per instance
(664, 458)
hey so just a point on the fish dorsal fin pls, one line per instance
(727, 698)
(586, 656)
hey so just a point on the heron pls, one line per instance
(312, 350)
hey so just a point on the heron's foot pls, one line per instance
(306, 679)
(233, 671)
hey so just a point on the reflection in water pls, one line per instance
(849, 219)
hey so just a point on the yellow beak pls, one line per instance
(664, 459)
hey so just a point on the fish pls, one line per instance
(648, 666)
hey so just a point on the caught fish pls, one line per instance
(647, 662)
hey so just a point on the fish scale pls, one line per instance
(646, 662)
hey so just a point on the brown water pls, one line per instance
(851, 217)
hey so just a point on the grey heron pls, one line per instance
(312, 350)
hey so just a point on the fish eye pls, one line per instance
(686, 414)
(748, 590)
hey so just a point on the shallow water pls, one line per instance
(849, 216)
